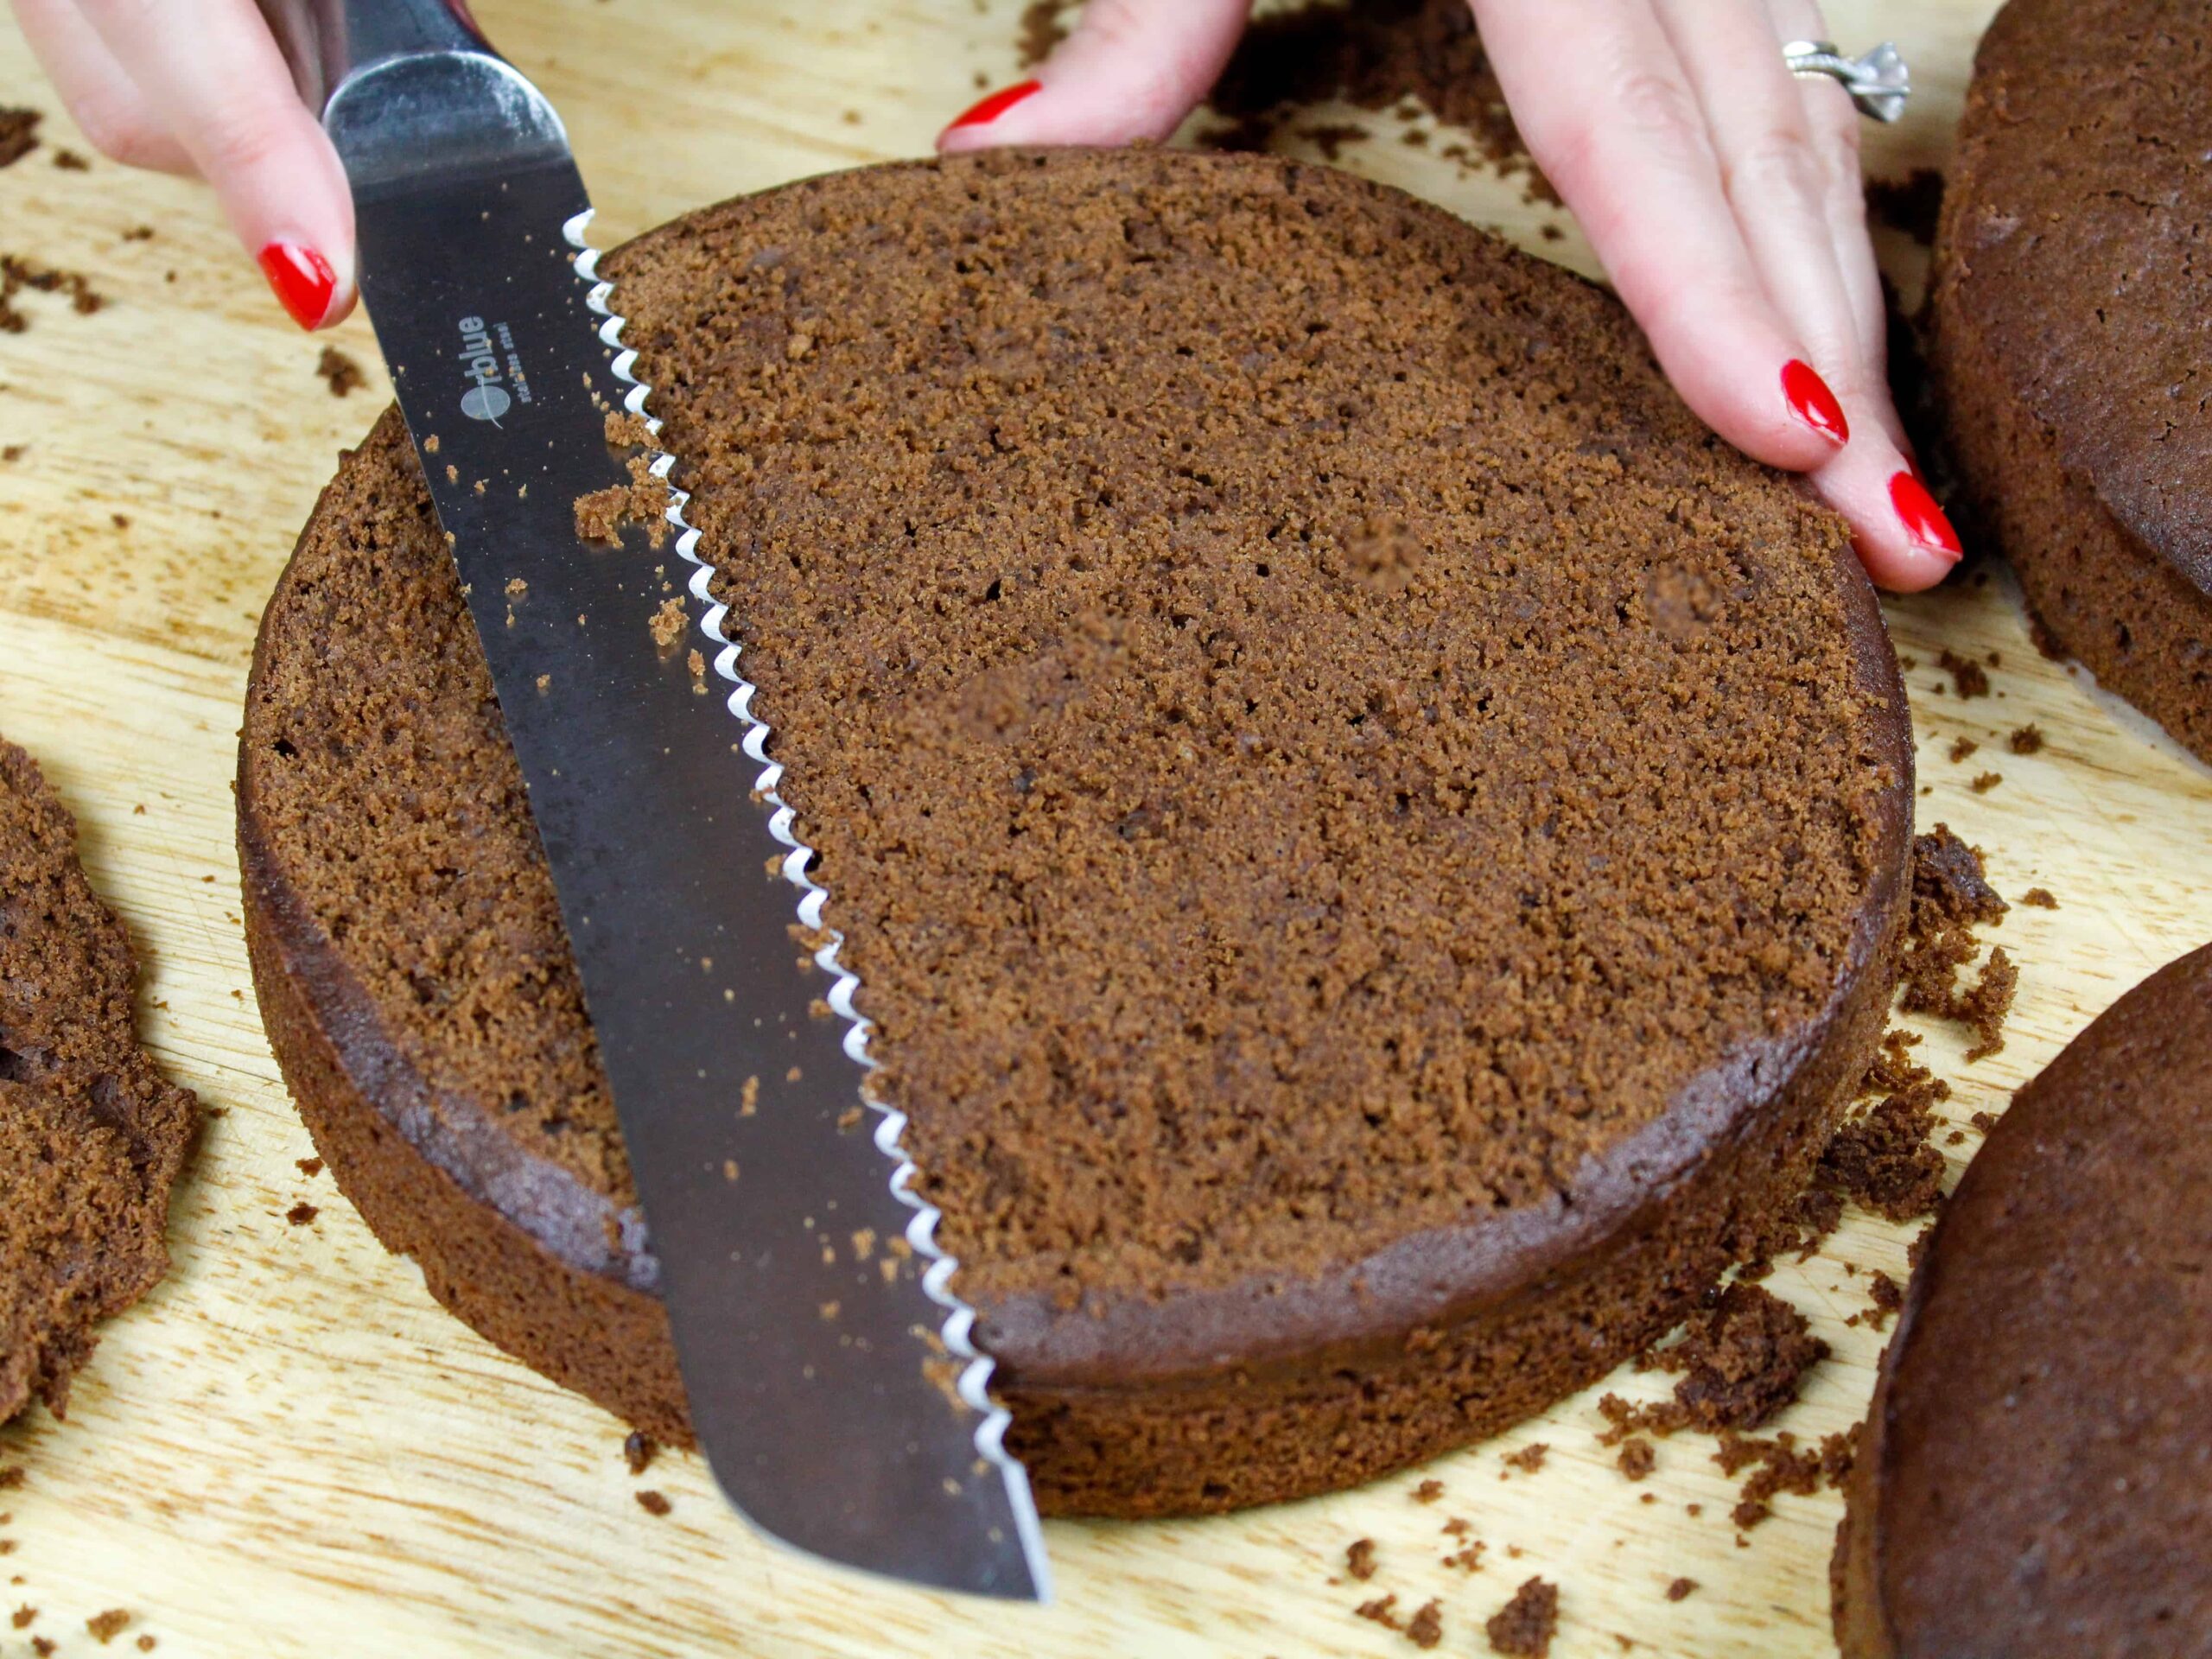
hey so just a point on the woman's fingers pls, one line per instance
(1783, 145)
(102, 99)
(1131, 69)
(212, 75)
(1614, 124)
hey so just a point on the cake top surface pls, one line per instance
(2074, 238)
(91, 1136)
(1310, 743)
(2051, 1375)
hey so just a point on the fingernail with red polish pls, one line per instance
(1924, 520)
(982, 114)
(303, 278)
(1811, 402)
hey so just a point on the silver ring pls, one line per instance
(1878, 83)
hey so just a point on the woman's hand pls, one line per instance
(202, 88)
(1722, 193)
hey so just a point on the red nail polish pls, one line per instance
(982, 114)
(1924, 520)
(302, 279)
(1811, 402)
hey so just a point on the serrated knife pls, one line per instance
(833, 1381)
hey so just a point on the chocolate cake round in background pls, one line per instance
(92, 1137)
(1373, 842)
(2069, 336)
(2035, 1474)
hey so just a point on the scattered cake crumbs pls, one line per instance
(17, 275)
(644, 500)
(1523, 1627)
(639, 1450)
(1968, 677)
(339, 373)
(1951, 893)
(1359, 1559)
(1381, 1611)
(627, 431)
(42, 1645)
(106, 1626)
(1778, 1466)
(1426, 1628)
(1740, 1360)
(1530, 1458)
(1962, 747)
(1986, 781)
(23, 1615)
(668, 624)
(301, 1214)
(1885, 1296)
(1637, 1458)
(18, 134)
(2039, 899)
(70, 161)
(653, 1503)
(697, 666)
(147, 1645)
(1428, 1491)
(1682, 1589)
(2026, 740)
(1882, 1159)
(310, 1168)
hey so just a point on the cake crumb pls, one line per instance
(668, 624)
(70, 161)
(1740, 1362)
(2039, 899)
(653, 1503)
(339, 373)
(639, 1451)
(1682, 1589)
(1962, 747)
(106, 1626)
(301, 1214)
(147, 1645)
(310, 1168)
(18, 134)
(2028, 740)
(1426, 1628)
(1530, 1458)
(23, 1615)
(1638, 1459)
(1359, 1559)
(1984, 782)
(1379, 1612)
(1968, 678)
(697, 666)
(1428, 1491)
(1523, 1627)
(42, 1645)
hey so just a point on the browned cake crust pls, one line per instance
(1373, 843)
(2068, 338)
(91, 1136)
(2034, 1476)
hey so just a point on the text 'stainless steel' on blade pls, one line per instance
(832, 1378)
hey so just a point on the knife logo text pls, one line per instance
(494, 386)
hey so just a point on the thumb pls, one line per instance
(212, 75)
(1132, 69)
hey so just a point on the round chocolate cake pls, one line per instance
(1372, 842)
(2069, 339)
(2035, 1474)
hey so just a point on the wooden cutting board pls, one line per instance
(288, 1449)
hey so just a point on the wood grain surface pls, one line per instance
(288, 1449)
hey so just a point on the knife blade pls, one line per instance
(834, 1382)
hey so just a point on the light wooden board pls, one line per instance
(288, 1449)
